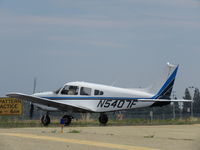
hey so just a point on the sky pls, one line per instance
(126, 42)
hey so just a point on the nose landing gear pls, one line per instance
(67, 119)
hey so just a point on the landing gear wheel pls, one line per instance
(45, 120)
(103, 119)
(67, 119)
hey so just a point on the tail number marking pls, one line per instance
(116, 103)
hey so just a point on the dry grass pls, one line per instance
(55, 123)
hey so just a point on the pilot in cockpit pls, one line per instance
(71, 91)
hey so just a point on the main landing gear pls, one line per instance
(103, 119)
(45, 120)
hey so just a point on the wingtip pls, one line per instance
(11, 94)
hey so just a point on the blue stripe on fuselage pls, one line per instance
(93, 98)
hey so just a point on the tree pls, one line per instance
(187, 94)
(196, 99)
(187, 106)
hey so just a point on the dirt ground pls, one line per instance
(165, 137)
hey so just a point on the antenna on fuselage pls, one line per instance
(34, 84)
(114, 83)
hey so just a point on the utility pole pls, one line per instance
(31, 104)
(173, 105)
(180, 108)
(151, 115)
(192, 97)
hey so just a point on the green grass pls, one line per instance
(23, 123)
(149, 136)
(74, 131)
(12, 123)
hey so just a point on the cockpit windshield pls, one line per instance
(70, 90)
(57, 91)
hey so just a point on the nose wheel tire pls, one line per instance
(103, 119)
(45, 120)
(67, 119)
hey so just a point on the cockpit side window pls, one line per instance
(70, 90)
(101, 92)
(85, 91)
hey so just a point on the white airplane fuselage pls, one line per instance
(111, 98)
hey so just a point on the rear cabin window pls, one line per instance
(70, 90)
(98, 92)
(101, 92)
(85, 91)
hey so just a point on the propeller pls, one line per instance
(32, 106)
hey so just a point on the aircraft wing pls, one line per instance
(164, 100)
(50, 103)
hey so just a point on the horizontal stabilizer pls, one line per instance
(165, 100)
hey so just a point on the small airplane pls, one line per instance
(84, 97)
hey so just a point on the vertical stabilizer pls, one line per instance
(164, 89)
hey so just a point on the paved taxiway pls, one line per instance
(179, 137)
